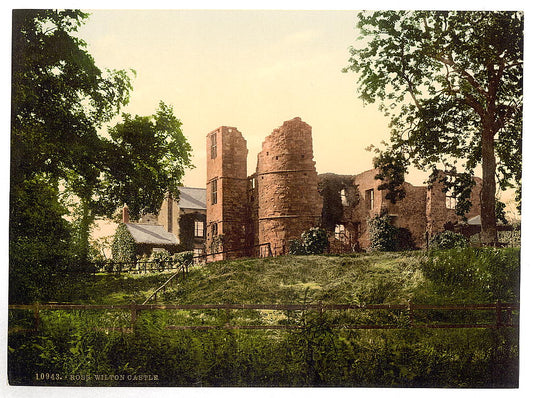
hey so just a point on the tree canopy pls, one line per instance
(148, 157)
(61, 103)
(451, 83)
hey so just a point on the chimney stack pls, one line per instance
(125, 214)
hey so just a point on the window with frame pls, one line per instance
(340, 231)
(214, 192)
(213, 145)
(214, 229)
(451, 201)
(199, 229)
(369, 199)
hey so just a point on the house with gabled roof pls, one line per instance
(179, 225)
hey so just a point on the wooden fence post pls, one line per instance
(133, 320)
(498, 313)
(37, 320)
(227, 311)
(410, 313)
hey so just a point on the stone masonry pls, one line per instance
(281, 199)
(287, 186)
(228, 218)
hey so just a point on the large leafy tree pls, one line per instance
(451, 83)
(147, 157)
(60, 102)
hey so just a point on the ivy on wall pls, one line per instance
(330, 187)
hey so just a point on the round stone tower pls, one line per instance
(287, 186)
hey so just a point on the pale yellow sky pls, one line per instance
(248, 69)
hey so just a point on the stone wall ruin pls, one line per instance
(285, 197)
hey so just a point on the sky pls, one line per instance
(249, 69)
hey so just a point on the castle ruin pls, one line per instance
(286, 196)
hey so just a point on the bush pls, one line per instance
(162, 258)
(483, 274)
(296, 247)
(383, 235)
(448, 240)
(510, 238)
(183, 258)
(313, 241)
(123, 248)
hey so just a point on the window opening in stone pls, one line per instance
(451, 201)
(344, 200)
(198, 229)
(214, 230)
(213, 145)
(214, 192)
(369, 199)
(340, 231)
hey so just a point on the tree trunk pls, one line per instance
(489, 236)
(84, 231)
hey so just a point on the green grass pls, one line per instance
(108, 288)
(470, 275)
(70, 342)
(379, 278)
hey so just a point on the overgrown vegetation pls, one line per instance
(386, 237)
(330, 187)
(448, 240)
(319, 354)
(61, 163)
(123, 247)
(313, 241)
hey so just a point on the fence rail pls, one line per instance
(500, 310)
(145, 266)
(183, 271)
(245, 249)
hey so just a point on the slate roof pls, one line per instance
(474, 220)
(192, 198)
(151, 234)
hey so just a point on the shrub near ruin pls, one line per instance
(313, 241)
(383, 235)
(448, 240)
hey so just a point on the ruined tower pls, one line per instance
(287, 186)
(227, 184)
